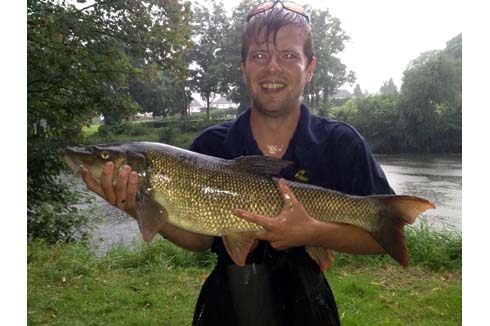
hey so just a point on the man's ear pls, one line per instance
(242, 69)
(311, 68)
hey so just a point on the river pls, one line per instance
(437, 178)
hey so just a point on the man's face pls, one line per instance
(276, 75)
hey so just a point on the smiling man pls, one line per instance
(280, 284)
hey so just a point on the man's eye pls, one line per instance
(289, 56)
(258, 56)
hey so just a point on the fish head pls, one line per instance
(95, 157)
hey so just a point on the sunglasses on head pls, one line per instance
(288, 5)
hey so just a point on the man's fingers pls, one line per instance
(91, 183)
(254, 218)
(121, 186)
(106, 183)
(286, 193)
(131, 190)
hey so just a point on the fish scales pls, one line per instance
(204, 201)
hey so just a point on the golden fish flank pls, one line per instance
(198, 193)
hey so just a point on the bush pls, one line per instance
(54, 216)
(167, 134)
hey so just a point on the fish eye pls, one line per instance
(104, 155)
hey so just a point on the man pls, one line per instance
(280, 284)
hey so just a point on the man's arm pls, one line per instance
(123, 196)
(294, 227)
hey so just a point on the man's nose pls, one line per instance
(273, 64)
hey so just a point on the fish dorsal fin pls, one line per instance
(261, 165)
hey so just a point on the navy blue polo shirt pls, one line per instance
(326, 153)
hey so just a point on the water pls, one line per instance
(437, 178)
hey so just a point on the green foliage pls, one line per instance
(424, 117)
(53, 214)
(431, 100)
(328, 40)
(209, 24)
(376, 118)
(434, 249)
(428, 248)
(79, 65)
(162, 93)
(358, 91)
(388, 87)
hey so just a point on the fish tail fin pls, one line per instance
(238, 245)
(322, 256)
(150, 216)
(399, 211)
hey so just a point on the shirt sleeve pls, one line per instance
(368, 177)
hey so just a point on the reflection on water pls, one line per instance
(437, 178)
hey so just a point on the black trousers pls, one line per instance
(288, 289)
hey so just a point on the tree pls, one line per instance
(79, 65)
(376, 118)
(388, 87)
(207, 56)
(431, 100)
(237, 90)
(164, 94)
(358, 91)
(329, 40)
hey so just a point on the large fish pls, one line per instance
(197, 193)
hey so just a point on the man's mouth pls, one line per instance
(272, 85)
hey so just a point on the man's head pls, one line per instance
(277, 57)
(267, 18)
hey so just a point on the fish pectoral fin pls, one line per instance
(151, 217)
(322, 256)
(238, 246)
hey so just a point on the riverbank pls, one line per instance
(157, 284)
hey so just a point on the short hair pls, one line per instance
(270, 22)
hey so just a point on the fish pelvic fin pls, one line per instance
(238, 245)
(322, 256)
(399, 211)
(150, 216)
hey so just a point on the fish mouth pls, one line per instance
(74, 156)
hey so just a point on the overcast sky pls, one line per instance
(387, 35)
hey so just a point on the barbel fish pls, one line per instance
(198, 193)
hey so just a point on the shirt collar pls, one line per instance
(240, 141)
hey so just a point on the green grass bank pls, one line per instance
(158, 284)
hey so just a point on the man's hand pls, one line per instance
(288, 229)
(122, 194)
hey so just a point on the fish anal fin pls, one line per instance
(238, 245)
(150, 216)
(322, 256)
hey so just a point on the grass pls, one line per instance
(158, 284)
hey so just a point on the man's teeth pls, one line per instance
(273, 85)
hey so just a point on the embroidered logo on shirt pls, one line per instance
(300, 176)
